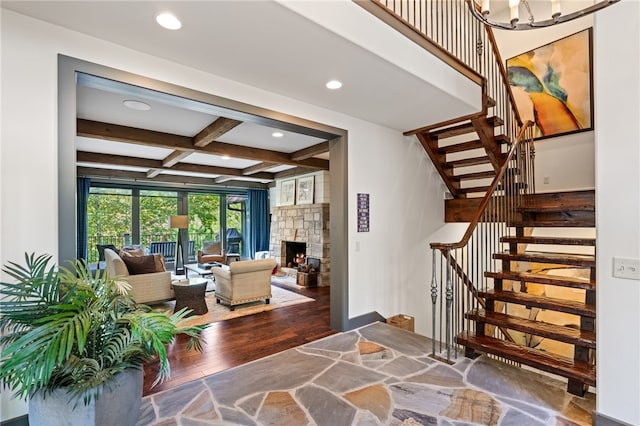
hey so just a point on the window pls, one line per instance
(204, 218)
(124, 216)
(235, 219)
(155, 209)
(109, 218)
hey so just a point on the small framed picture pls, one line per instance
(304, 191)
(288, 192)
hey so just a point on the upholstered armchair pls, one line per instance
(244, 281)
(145, 287)
(212, 251)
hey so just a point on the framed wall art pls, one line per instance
(553, 85)
(304, 192)
(288, 192)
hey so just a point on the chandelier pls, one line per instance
(556, 17)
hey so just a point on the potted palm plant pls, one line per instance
(77, 340)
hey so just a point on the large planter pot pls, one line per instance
(118, 405)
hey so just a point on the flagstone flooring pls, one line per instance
(375, 375)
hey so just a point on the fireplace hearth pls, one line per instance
(295, 253)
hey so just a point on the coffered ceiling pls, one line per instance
(264, 44)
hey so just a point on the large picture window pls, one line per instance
(122, 216)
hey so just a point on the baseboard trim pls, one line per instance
(362, 320)
(600, 419)
(16, 421)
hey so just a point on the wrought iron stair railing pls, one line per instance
(458, 268)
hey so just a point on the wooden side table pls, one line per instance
(191, 295)
(232, 257)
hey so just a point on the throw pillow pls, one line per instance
(140, 264)
(132, 251)
(211, 247)
(159, 262)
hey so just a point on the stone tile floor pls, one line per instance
(375, 375)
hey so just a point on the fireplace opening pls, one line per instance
(295, 253)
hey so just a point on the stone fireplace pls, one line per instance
(306, 226)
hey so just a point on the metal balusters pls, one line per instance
(434, 299)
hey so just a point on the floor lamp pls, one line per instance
(181, 223)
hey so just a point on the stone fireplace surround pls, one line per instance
(308, 223)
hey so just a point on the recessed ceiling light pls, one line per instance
(169, 21)
(334, 84)
(225, 157)
(137, 105)
(277, 134)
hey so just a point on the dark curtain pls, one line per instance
(259, 222)
(83, 185)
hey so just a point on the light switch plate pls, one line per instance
(626, 268)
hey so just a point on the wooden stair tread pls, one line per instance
(556, 332)
(568, 223)
(558, 208)
(565, 201)
(546, 361)
(476, 175)
(473, 189)
(550, 240)
(459, 147)
(462, 129)
(551, 303)
(473, 161)
(584, 260)
(548, 279)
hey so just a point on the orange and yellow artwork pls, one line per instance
(552, 85)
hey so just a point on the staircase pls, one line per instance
(466, 153)
(488, 158)
(513, 285)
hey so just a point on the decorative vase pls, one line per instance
(118, 404)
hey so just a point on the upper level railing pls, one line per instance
(448, 26)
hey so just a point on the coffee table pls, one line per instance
(201, 269)
(190, 294)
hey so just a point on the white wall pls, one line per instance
(387, 274)
(568, 161)
(618, 208)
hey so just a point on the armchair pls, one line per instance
(212, 251)
(244, 281)
(146, 288)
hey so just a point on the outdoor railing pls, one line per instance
(195, 243)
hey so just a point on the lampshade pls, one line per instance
(180, 221)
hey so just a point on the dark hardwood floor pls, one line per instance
(240, 340)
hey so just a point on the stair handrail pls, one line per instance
(489, 195)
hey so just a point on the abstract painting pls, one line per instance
(553, 87)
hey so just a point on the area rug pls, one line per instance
(286, 281)
(218, 312)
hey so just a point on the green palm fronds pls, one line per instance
(69, 328)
